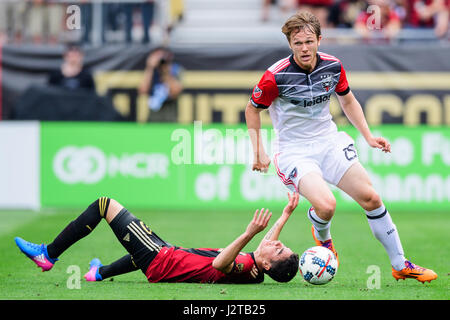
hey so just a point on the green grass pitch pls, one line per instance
(424, 237)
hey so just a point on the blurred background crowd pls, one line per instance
(355, 14)
(141, 56)
(45, 21)
(181, 62)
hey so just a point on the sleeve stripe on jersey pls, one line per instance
(325, 56)
(280, 65)
(328, 59)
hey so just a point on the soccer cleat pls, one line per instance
(37, 253)
(327, 244)
(93, 274)
(414, 272)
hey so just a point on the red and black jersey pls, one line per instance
(298, 100)
(176, 264)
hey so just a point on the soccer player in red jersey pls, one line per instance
(311, 151)
(163, 262)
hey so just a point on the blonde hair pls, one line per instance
(301, 21)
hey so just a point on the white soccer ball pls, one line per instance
(318, 265)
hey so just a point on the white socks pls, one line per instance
(382, 227)
(385, 231)
(321, 227)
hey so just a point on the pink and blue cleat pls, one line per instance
(37, 253)
(93, 274)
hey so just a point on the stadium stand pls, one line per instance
(236, 21)
(192, 22)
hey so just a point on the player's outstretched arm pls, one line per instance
(261, 160)
(355, 114)
(224, 261)
(275, 231)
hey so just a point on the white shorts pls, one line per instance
(330, 157)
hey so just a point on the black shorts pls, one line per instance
(137, 238)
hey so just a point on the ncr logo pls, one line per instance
(89, 164)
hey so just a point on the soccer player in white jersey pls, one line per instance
(311, 151)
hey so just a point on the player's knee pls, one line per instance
(325, 208)
(107, 207)
(371, 201)
(103, 204)
(112, 210)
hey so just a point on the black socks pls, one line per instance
(79, 228)
(121, 266)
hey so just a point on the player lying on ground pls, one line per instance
(163, 262)
(297, 92)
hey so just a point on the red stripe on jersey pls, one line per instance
(281, 175)
(325, 56)
(280, 65)
(328, 59)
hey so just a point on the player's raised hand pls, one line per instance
(380, 143)
(259, 222)
(292, 204)
(154, 59)
(261, 162)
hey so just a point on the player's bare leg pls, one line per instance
(314, 188)
(356, 183)
(113, 209)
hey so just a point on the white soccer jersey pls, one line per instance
(299, 101)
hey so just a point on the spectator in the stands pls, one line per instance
(399, 6)
(428, 14)
(46, 20)
(286, 8)
(379, 25)
(146, 9)
(162, 84)
(344, 13)
(12, 21)
(319, 8)
(72, 73)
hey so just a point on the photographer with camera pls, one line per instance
(162, 83)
